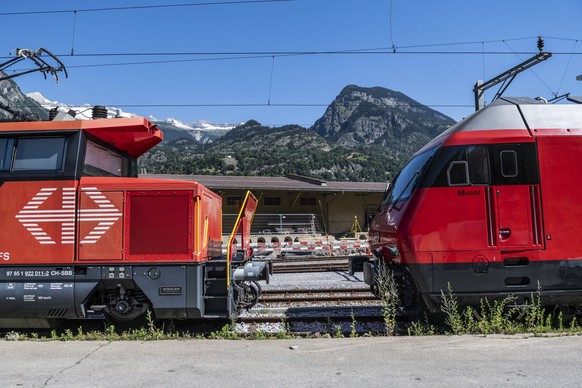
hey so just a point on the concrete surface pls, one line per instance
(516, 361)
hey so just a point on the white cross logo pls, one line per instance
(31, 217)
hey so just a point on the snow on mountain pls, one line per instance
(200, 125)
(177, 123)
(36, 96)
(83, 112)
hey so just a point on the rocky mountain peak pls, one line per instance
(376, 115)
(14, 105)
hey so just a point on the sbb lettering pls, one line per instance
(5, 256)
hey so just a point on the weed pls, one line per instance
(388, 294)
(225, 333)
(421, 328)
(501, 317)
(450, 306)
(353, 326)
(12, 336)
(338, 332)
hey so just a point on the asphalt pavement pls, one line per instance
(439, 361)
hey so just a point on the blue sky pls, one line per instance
(239, 68)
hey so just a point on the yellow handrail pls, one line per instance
(244, 219)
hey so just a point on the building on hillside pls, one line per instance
(294, 207)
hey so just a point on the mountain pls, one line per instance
(365, 134)
(14, 105)
(174, 129)
(379, 116)
(249, 149)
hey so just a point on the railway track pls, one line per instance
(310, 264)
(314, 296)
(311, 320)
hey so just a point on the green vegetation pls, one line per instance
(388, 294)
(501, 317)
(281, 151)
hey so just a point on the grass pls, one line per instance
(504, 317)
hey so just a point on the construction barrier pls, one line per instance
(322, 248)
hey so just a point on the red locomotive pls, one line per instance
(492, 206)
(83, 237)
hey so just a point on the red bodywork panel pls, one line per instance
(161, 221)
(561, 178)
(38, 227)
(118, 219)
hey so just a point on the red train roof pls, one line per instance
(132, 135)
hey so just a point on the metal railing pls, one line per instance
(288, 223)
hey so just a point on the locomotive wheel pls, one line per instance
(128, 309)
(135, 322)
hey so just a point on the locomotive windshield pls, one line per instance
(28, 154)
(407, 180)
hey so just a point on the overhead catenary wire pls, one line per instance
(566, 69)
(390, 26)
(271, 80)
(74, 28)
(137, 7)
(242, 55)
(262, 104)
(322, 52)
(230, 56)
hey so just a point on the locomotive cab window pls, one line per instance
(508, 163)
(6, 147)
(474, 170)
(478, 165)
(458, 173)
(101, 161)
(408, 179)
(39, 154)
(466, 165)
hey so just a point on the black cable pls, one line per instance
(288, 105)
(271, 80)
(144, 7)
(74, 28)
(566, 69)
(300, 53)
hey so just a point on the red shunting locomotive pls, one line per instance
(83, 237)
(491, 207)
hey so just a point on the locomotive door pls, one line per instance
(516, 192)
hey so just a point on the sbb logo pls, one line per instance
(34, 215)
